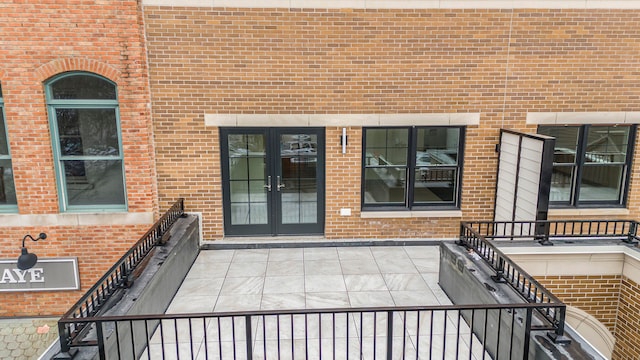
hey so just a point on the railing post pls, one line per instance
(558, 335)
(499, 276)
(631, 237)
(389, 335)
(461, 240)
(66, 352)
(100, 338)
(542, 233)
(527, 334)
(247, 328)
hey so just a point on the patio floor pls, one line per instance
(313, 278)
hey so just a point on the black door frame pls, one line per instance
(273, 168)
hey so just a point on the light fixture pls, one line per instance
(343, 140)
(26, 260)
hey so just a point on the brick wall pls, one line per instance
(499, 63)
(628, 322)
(613, 300)
(40, 40)
(597, 295)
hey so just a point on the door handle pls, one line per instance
(268, 186)
(280, 185)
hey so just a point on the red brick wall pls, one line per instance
(43, 39)
(499, 63)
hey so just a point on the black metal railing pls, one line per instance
(119, 276)
(519, 280)
(546, 230)
(432, 332)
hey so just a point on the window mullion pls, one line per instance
(624, 186)
(411, 166)
(579, 164)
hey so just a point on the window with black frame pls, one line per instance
(8, 202)
(412, 167)
(591, 164)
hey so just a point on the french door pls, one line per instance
(273, 180)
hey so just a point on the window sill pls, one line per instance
(411, 214)
(559, 213)
(76, 219)
(8, 209)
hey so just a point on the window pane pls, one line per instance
(435, 185)
(88, 132)
(561, 183)
(83, 87)
(437, 146)
(4, 143)
(566, 142)
(387, 146)
(601, 182)
(607, 144)
(7, 188)
(564, 160)
(95, 182)
(384, 185)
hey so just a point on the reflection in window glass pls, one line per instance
(590, 163)
(429, 176)
(386, 152)
(8, 199)
(564, 160)
(298, 186)
(88, 131)
(601, 182)
(247, 175)
(606, 144)
(88, 147)
(83, 87)
(436, 165)
(97, 182)
(387, 147)
(566, 142)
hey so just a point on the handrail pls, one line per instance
(117, 277)
(137, 331)
(517, 278)
(545, 230)
(313, 311)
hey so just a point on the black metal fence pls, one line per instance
(427, 332)
(519, 280)
(120, 275)
(546, 230)
(433, 332)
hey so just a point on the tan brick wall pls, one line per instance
(499, 63)
(628, 322)
(613, 300)
(597, 295)
(41, 40)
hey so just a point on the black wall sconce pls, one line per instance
(26, 260)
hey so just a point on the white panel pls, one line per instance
(507, 177)
(528, 181)
(525, 164)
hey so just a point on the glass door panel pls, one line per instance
(298, 160)
(300, 177)
(245, 182)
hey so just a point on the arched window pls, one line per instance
(7, 189)
(85, 128)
